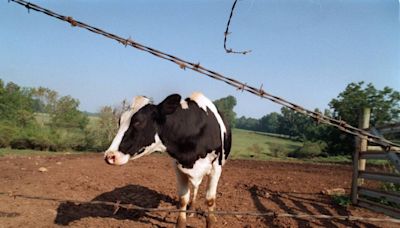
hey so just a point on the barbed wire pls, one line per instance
(118, 205)
(227, 33)
(184, 64)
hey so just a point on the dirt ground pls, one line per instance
(31, 198)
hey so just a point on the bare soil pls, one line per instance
(31, 198)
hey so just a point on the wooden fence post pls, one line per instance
(363, 124)
(359, 164)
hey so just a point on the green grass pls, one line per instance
(262, 146)
(341, 159)
(255, 145)
(13, 152)
(343, 201)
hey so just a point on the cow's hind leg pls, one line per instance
(212, 193)
(184, 196)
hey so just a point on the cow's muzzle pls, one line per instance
(116, 158)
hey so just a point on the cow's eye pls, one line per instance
(139, 123)
(136, 123)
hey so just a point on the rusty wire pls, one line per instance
(117, 205)
(227, 33)
(183, 64)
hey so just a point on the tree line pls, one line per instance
(321, 139)
(42, 119)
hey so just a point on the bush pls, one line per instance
(67, 139)
(21, 144)
(255, 148)
(7, 133)
(42, 140)
(278, 150)
(341, 200)
(33, 137)
(309, 150)
(96, 138)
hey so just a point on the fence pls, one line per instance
(386, 200)
(117, 205)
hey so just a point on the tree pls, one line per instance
(63, 111)
(226, 105)
(270, 122)
(384, 104)
(108, 124)
(247, 123)
(67, 115)
(348, 105)
(15, 104)
(294, 124)
(45, 99)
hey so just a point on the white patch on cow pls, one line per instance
(213, 182)
(116, 157)
(201, 167)
(184, 105)
(124, 125)
(157, 145)
(137, 103)
(201, 100)
(204, 103)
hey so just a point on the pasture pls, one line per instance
(33, 198)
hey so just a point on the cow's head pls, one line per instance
(137, 134)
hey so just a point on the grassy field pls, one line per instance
(246, 145)
(256, 145)
(13, 152)
(262, 146)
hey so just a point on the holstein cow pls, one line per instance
(191, 131)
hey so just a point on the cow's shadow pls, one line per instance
(131, 194)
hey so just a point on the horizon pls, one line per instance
(304, 51)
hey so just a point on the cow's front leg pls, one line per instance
(212, 193)
(184, 196)
(196, 181)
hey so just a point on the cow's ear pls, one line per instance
(170, 104)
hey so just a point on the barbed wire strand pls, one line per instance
(117, 205)
(227, 33)
(183, 64)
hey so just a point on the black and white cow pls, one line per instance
(192, 131)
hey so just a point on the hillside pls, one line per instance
(260, 146)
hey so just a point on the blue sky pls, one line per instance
(305, 51)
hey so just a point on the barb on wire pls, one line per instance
(183, 64)
(117, 205)
(227, 33)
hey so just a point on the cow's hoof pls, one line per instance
(211, 221)
(196, 213)
(181, 223)
(191, 207)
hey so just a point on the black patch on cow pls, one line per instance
(227, 137)
(190, 134)
(169, 105)
(141, 131)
